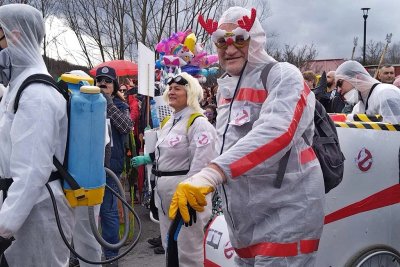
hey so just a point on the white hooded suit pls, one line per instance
(256, 126)
(384, 98)
(29, 139)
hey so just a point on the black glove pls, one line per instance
(108, 98)
(193, 217)
(5, 243)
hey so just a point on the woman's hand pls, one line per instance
(141, 160)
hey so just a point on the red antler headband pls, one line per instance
(245, 23)
(210, 26)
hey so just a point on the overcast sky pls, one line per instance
(332, 25)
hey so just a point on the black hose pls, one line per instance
(71, 248)
(92, 221)
(172, 259)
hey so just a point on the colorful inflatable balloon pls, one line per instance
(180, 52)
(190, 42)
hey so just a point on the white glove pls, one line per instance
(206, 177)
(193, 192)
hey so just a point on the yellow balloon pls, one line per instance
(190, 42)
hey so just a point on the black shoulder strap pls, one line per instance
(37, 78)
(65, 174)
(46, 79)
(369, 94)
(265, 72)
(284, 160)
(282, 169)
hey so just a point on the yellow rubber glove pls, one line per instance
(193, 192)
(188, 194)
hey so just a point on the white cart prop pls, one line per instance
(362, 222)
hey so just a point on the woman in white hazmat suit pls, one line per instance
(181, 151)
(29, 139)
(375, 97)
(256, 126)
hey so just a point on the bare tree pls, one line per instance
(49, 10)
(373, 52)
(298, 56)
(393, 54)
(114, 27)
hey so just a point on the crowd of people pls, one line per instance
(229, 139)
(339, 97)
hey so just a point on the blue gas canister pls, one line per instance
(87, 128)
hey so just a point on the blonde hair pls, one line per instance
(194, 92)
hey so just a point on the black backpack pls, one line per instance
(325, 145)
(62, 88)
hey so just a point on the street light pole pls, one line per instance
(365, 16)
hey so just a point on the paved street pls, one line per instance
(142, 254)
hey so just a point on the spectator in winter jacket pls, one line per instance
(121, 125)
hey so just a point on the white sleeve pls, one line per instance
(287, 111)
(35, 137)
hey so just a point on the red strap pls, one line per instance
(307, 155)
(269, 249)
(209, 263)
(308, 246)
(252, 95)
(224, 101)
(266, 151)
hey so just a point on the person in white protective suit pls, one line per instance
(29, 139)
(181, 151)
(374, 97)
(256, 126)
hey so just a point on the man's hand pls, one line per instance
(193, 192)
(141, 160)
(187, 194)
(5, 243)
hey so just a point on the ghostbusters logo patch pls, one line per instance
(241, 117)
(174, 140)
(203, 139)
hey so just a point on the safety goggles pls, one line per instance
(103, 79)
(178, 80)
(238, 37)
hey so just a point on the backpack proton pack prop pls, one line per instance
(83, 171)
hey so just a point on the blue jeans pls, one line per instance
(109, 218)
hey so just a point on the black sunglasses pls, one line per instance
(178, 80)
(100, 79)
(339, 83)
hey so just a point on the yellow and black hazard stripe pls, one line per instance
(369, 126)
(367, 118)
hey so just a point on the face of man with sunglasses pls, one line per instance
(343, 86)
(232, 48)
(106, 84)
(177, 95)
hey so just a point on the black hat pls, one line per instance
(106, 72)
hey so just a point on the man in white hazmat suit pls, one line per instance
(256, 126)
(29, 139)
(374, 97)
(181, 151)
